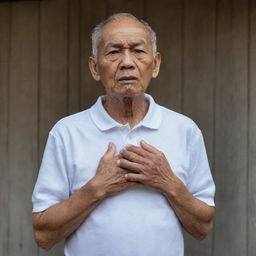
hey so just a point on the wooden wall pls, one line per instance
(208, 73)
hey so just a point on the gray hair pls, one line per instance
(96, 32)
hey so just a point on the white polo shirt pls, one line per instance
(138, 221)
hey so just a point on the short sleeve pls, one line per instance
(52, 184)
(200, 182)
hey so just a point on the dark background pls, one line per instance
(207, 73)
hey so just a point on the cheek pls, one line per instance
(107, 78)
(107, 71)
(147, 73)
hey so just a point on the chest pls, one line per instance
(86, 150)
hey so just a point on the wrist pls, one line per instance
(96, 189)
(173, 188)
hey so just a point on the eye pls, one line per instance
(113, 52)
(138, 51)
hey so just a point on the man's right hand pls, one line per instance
(109, 178)
(61, 219)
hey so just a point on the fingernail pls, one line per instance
(118, 162)
(128, 145)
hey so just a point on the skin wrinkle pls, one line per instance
(195, 215)
(127, 95)
(121, 45)
(125, 75)
(97, 31)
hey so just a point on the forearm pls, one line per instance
(149, 166)
(194, 215)
(60, 220)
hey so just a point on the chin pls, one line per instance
(131, 89)
(127, 94)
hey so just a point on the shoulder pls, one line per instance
(179, 125)
(174, 118)
(71, 123)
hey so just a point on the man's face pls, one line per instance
(125, 62)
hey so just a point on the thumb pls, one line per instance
(111, 149)
(148, 147)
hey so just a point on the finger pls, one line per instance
(148, 147)
(138, 150)
(133, 157)
(126, 164)
(111, 150)
(135, 177)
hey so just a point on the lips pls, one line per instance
(127, 78)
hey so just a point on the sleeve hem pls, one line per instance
(42, 207)
(208, 201)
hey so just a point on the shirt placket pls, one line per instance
(128, 135)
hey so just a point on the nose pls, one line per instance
(127, 60)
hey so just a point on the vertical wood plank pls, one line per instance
(53, 65)
(53, 73)
(251, 193)
(199, 82)
(231, 128)
(166, 19)
(74, 56)
(4, 102)
(23, 125)
(135, 7)
(199, 65)
(92, 12)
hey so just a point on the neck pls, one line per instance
(125, 110)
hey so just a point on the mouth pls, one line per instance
(127, 79)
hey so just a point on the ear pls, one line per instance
(93, 68)
(157, 62)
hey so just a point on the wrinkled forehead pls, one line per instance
(124, 30)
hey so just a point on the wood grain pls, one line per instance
(231, 128)
(23, 125)
(166, 18)
(53, 74)
(44, 75)
(135, 7)
(91, 14)
(73, 56)
(4, 103)
(251, 192)
(199, 82)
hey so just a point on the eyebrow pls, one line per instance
(120, 45)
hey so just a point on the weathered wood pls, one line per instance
(199, 82)
(135, 7)
(251, 193)
(185, 83)
(4, 102)
(23, 126)
(91, 13)
(53, 65)
(74, 56)
(166, 19)
(231, 128)
(53, 73)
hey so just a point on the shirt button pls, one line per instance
(124, 128)
(131, 136)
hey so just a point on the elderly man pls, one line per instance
(125, 176)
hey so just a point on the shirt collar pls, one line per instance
(104, 121)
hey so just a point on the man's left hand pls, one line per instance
(149, 166)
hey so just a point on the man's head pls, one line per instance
(96, 32)
(124, 55)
